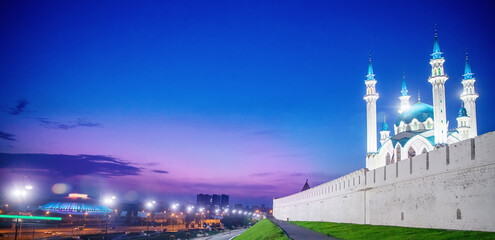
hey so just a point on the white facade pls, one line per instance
(437, 80)
(469, 97)
(370, 98)
(451, 187)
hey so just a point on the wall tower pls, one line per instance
(437, 80)
(469, 96)
(370, 98)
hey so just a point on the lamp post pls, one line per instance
(20, 195)
(108, 202)
(149, 205)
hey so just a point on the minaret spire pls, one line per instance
(469, 96)
(437, 80)
(370, 75)
(468, 74)
(404, 98)
(437, 54)
(371, 124)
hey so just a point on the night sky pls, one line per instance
(168, 99)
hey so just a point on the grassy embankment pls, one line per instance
(263, 230)
(347, 231)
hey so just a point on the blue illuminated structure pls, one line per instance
(468, 74)
(404, 87)
(75, 208)
(437, 54)
(370, 75)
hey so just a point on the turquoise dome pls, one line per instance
(462, 112)
(420, 111)
(384, 126)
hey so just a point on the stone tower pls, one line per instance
(370, 98)
(437, 80)
(468, 97)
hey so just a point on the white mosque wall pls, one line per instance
(450, 188)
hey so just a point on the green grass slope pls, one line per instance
(347, 231)
(263, 230)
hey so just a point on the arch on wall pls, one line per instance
(387, 159)
(424, 151)
(411, 153)
(418, 142)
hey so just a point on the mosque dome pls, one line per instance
(420, 111)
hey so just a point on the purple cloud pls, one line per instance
(19, 108)
(68, 165)
(45, 122)
(7, 136)
(160, 171)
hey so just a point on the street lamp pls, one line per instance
(149, 205)
(108, 202)
(21, 195)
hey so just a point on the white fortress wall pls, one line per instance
(451, 188)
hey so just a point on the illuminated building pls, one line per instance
(75, 204)
(421, 127)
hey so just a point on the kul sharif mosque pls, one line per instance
(421, 127)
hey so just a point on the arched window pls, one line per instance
(398, 153)
(411, 152)
(424, 150)
(387, 159)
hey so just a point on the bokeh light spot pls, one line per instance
(60, 188)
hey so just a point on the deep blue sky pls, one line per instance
(241, 96)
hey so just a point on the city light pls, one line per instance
(175, 206)
(108, 201)
(31, 217)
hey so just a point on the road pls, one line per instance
(71, 231)
(227, 235)
(299, 233)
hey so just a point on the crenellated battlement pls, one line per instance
(462, 174)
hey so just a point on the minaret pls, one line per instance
(384, 133)
(437, 80)
(370, 98)
(463, 122)
(404, 98)
(469, 96)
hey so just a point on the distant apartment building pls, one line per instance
(224, 201)
(203, 199)
(212, 200)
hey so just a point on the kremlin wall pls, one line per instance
(452, 187)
